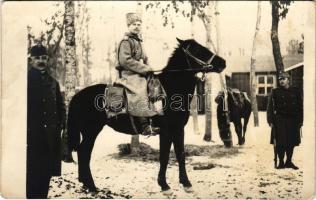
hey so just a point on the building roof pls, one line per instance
(294, 66)
(263, 63)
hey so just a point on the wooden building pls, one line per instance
(266, 76)
(296, 72)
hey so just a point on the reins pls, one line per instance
(206, 65)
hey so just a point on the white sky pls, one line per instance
(237, 25)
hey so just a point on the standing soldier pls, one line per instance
(45, 120)
(133, 67)
(285, 116)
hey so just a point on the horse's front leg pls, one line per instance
(245, 124)
(238, 129)
(178, 142)
(164, 146)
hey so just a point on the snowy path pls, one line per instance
(240, 172)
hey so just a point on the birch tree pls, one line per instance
(85, 42)
(253, 81)
(208, 79)
(195, 100)
(203, 11)
(279, 11)
(70, 63)
(51, 38)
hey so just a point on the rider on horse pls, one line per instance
(133, 68)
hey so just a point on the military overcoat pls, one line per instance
(45, 119)
(134, 64)
(285, 112)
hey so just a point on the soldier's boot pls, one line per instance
(281, 154)
(281, 165)
(147, 128)
(289, 163)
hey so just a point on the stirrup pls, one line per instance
(151, 130)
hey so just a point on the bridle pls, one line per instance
(205, 65)
(199, 61)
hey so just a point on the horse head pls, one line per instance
(199, 58)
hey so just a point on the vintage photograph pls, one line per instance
(158, 99)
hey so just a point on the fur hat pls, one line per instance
(284, 75)
(38, 50)
(132, 17)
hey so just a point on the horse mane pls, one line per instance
(173, 63)
(180, 82)
(173, 57)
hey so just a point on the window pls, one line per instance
(261, 90)
(269, 89)
(270, 79)
(265, 84)
(261, 79)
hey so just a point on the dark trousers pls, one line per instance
(285, 150)
(37, 187)
(38, 175)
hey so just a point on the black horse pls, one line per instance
(178, 80)
(239, 106)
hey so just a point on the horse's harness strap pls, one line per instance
(205, 65)
(133, 124)
(201, 62)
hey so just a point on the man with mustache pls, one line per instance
(46, 116)
(285, 116)
(133, 67)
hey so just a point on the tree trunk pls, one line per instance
(275, 38)
(70, 63)
(208, 84)
(194, 103)
(87, 49)
(208, 108)
(253, 82)
(218, 52)
(194, 112)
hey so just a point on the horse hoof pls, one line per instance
(228, 144)
(90, 188)
(186, 183)
(241, 143)
(163, 185)
(207, 138)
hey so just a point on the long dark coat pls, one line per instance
(45, 119)
(134, 64)
(285, 112)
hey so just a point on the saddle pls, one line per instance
(239, 97)
(154, 88)
(116, 102)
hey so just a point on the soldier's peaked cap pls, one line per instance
(38, 50)
(284, 75)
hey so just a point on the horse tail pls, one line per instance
(72, 127)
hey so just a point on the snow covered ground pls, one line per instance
(240, 172)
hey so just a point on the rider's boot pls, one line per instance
(147, 128)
